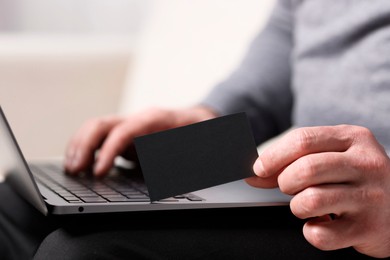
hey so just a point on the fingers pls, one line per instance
(330, 211)
(112, 136)
(340, 216)
(146, 122)
(339, 177)
(270, 182)
(326, 233)
(317, 169)
(310, 170)
(332, 234)
(300, 142)
(81, 149)
(323, 200)
(109, 136)
(118, 140)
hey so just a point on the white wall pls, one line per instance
(64, 62)
(73, 16)
(188, 46)
(49, 85)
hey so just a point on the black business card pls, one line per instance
(197, 156)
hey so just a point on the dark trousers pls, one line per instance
(241, 233)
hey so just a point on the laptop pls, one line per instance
(46, 187)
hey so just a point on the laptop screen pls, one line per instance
(13, 167)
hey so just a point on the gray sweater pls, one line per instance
(317, 62)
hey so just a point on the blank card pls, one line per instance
(197, 156)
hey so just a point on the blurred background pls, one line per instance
(62, 62)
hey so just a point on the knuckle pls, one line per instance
(377, 196)
(373, 164)
(362, 131)
(118, 140)
(96, 124)
(372, 157)
(306, 170)
(305, 138)
(299, 177)
(380, 164)
(373, 196)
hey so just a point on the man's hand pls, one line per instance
(340, 179)
(113, 136)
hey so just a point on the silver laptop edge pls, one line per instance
(14, 167)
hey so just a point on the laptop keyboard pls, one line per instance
(87, 189)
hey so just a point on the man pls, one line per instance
(319, 67)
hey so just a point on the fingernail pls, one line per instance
(258, 168)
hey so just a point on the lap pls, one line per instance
(22, 227)
(257, 233)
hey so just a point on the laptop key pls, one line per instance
(138, 199)
(83, 190)
(75, 201)
(193, 197)
(85, 193)
(138, 196)
(93, 199)
(123, 199)
(70, 197)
